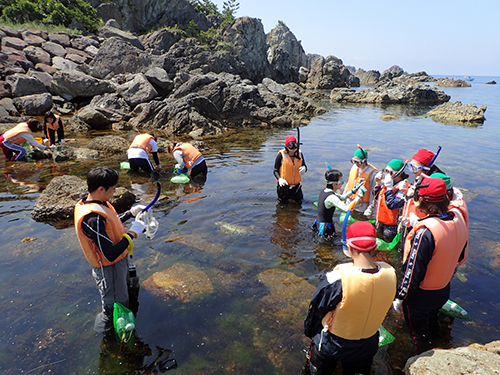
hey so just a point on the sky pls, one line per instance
(440, 37)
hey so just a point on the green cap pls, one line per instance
(443, 177)
(362, 154)
(396, 164)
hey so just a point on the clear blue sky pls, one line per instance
(448, 37)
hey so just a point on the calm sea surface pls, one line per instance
(261, 260)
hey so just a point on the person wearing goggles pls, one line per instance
(329, 199)
(289, 166)
(362, 170)
(392, 185)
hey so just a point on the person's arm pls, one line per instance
(394, 200)
(178, 156)
(277, 165)
(154, 151)
(45, 134)
(326, 298)
(94, 227)
(337, 201)
(31, 140)
(415, 267)
(303, 160)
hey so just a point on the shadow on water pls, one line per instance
(257, 263)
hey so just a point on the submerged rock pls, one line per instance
(450, 82)
(474, 359)
(181, 281)
(458, 112)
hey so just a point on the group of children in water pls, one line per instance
(351, 302)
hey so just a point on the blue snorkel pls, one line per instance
(344, 225)
(434, 157)
(158, 190)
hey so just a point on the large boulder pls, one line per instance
(138, 90)
(37, 55)
(369, 77)
(34, 105)
(327, 73)
(474, 359)
(72, 84)
(9, 65)
(111, 144)
(160, 41)
(109, 32)
(421, 77)
(140, 14)
(393, 72)
(22, 85)
(456, 112)
(117, 56)
(285, 54)
(56, 204)
(391, 92)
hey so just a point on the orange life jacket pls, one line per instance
(459, 203)
(142, 141)
(289, 170)
(15, 132)
(191, 153)
(354, 178)
(366, 298)
(383, 214)
(56, 124)
(450, 237)
(114, 229)
(411, 208)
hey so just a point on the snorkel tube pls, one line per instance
(158, 190)
(363, 152)
(344, 226)
(434, 158)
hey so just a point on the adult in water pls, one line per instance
(138, 152)
(12, 139)
(328, 200)
(432, 251)
(105, 242)
(391, 193)
(361, 170)
(189, 159)
(53, 124)
(348, 307)
(289, 166)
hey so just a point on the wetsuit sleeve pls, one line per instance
(415, 267)
(337, 201)
(31, 140)
(394, 200)
(94, 227)
(326, 298)
(277, 165)
(178, 158)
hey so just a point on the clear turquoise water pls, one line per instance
(48, 300)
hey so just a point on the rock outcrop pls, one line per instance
(56, 204)
(392, 93)
(369, 77)
(474, 359)
(451, 82)
(456, 112)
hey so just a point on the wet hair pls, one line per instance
(153, 134)
(48, 115)
(332, 176)
(170, 147)
(432, 208)
(101, 176)
(33, 124)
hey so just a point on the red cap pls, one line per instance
(432, 189)
(361, 236)
(290, 138)
(423, 156)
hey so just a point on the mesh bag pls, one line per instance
(124, 323)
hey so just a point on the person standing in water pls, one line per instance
(53, 124)
(289, 166)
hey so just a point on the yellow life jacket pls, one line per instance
(56, 124)
(191, 154)
(15, 132)
(289, 170)
(450, 237)
(114, 229)
(366, 298)
(142, 141)
(354, 178)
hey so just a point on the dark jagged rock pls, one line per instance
(111, 144)
(369, 77)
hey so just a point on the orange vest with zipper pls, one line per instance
(114, 230)
(354, 178)
(366, 298)
(289, 170)
(142, 141)
(383, 214)
(56, 124)
(191, 154)
(15, 131)
(450, 237)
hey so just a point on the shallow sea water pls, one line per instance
(262, 260)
